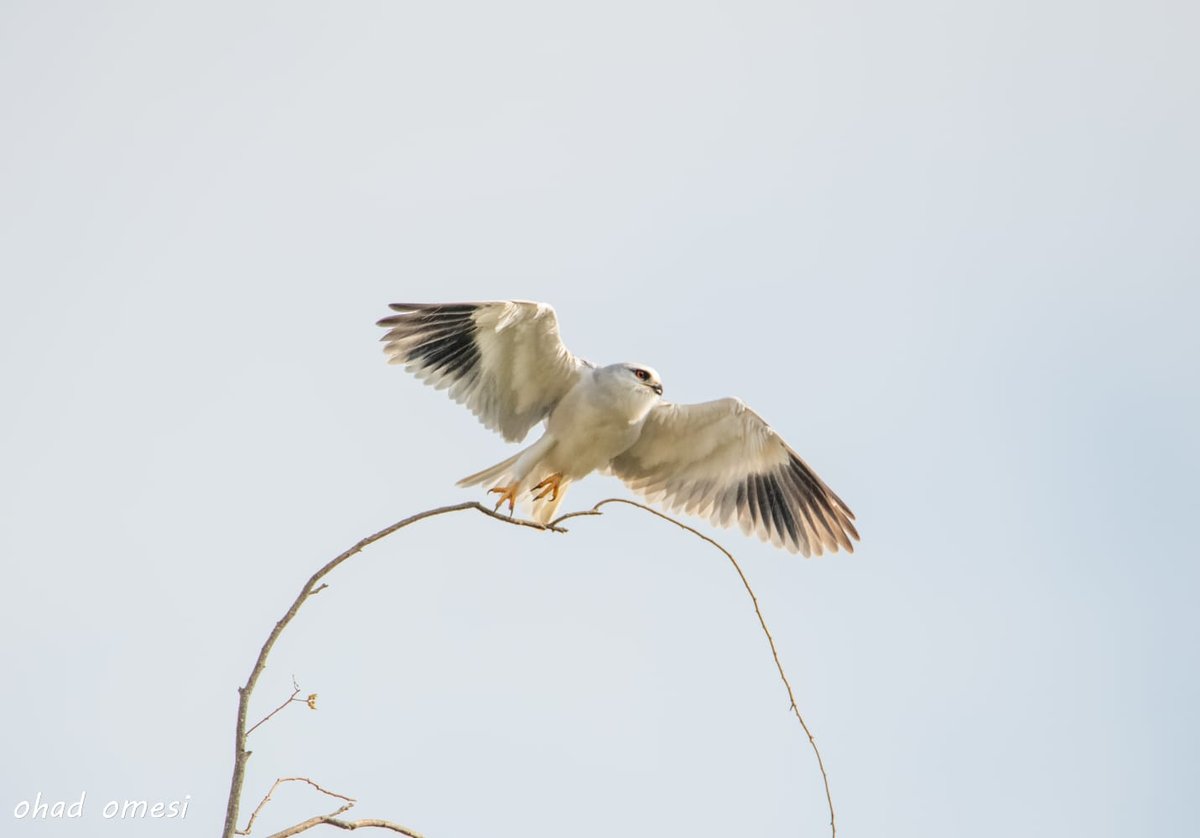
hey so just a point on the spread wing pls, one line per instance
(721, 461)
(503, 360)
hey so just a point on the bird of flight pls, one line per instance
(719, 460)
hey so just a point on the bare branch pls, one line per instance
(595, 510)
(240, 754)
(331, 819)
(295, 692)
(267, 799)
(311, 587)
(341, 824)
(254, 815)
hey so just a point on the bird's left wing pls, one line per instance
(721, 461)
(503, 360)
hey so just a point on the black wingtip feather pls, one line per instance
(443, 308)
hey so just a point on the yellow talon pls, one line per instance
(549, 486)
(507, 493)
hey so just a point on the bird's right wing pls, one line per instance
(503, 360)
(721, 461)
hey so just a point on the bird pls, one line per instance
(505, 361)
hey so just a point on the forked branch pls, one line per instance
(314, 585)
(331, 819)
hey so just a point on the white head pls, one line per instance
(630, 390)
(639, 378)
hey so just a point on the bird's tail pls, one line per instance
(492, 474)
(519, 472)
(503, 474)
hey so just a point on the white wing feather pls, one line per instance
(503, 360)
(721, 461)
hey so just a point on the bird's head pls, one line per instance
(640, 375)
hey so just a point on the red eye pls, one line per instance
(642, 375)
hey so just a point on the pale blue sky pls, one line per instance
(949, 250)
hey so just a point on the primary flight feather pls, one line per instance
(506, 362)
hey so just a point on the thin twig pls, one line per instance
(286, 702)
(330, 819)
(267, 799)
(595, 510)
(341, 824)
(254, 815)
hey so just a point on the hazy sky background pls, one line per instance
(949, 250)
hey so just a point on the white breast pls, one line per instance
(593, 423)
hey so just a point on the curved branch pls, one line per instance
(595, 510)
(378, 823)
(311, 588)
(346, 806)
(241, 755)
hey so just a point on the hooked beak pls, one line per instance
(657, 388)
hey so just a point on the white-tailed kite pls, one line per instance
(719, 460)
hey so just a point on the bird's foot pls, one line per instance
(507, 493)
(549, 486)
